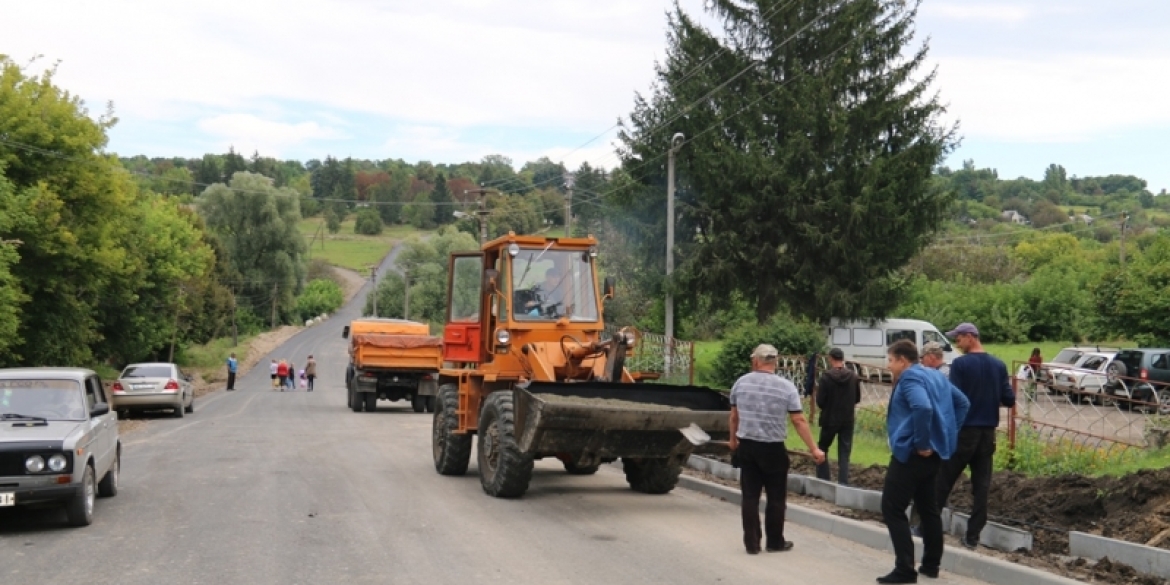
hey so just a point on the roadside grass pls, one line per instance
(347, 249)
(209, 359)
(705, 354)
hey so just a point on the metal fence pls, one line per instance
(659, 359)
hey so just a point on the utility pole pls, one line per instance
(235, 330)
(482, 213)
(676, 142)
(1124, 224)
(570, 178)
(374, 279)
(275, 289)
(406, 285)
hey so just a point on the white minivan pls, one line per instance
(865, 342)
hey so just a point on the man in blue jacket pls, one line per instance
(923, 420)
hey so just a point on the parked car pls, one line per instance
(58, 440)
(1144, 375)
(153, 386)
(1066, 359)
(1088, 375)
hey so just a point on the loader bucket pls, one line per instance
(602, 420)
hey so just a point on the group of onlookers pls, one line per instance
(286, 377)
(937, 427)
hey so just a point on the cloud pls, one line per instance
(973, 11)
(248, 133)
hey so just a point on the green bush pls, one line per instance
(368, 223)
(332, 220)
(788, 335)
(320, 296)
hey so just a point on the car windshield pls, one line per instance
(147, 372)
(48, 399)
(550, 284)
(1067, 356)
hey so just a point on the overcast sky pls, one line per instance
(1081, 83)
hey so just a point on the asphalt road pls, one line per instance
(263, 487)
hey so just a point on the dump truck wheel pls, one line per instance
(452, 452)
(418, 403)
(371, 401)
(430, 403)
(652, 476)
(504, 471)
(574, 469)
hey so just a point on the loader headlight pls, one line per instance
(503, 337)
(513, 249)
(592, 251)
(630, 338)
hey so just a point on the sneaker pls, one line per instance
(786, 546)
(926, 571)
(969, 543)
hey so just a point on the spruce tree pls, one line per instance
(441, 198)
(804, 182)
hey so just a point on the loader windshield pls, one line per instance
(550, 284)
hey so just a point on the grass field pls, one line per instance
(347, 249)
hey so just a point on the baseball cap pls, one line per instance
(836, 353)
(964, 329)
(932, 347)
(764, 351)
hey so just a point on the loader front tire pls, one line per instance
(452, 452)
(652, 476)
(504, 471)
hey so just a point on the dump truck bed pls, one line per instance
(612, 420)
(403, 352)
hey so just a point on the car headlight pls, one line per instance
(57, 463)
(35, 464)
(503, 337)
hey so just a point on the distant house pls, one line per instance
(1014, 217)
(1084, 217)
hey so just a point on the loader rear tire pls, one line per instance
(652, 476)
(452, 452)
(575, 469)
(504, 471)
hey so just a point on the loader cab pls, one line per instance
(517, 289)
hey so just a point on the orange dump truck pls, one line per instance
(391, 359)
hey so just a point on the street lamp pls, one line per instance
(676, 142)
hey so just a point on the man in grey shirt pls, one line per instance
(759, 402)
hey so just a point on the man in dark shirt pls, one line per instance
(838, 393)
(983, 378)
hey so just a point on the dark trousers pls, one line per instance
(283, 382)
(763, 467)
(844, 436)
(916, 480)
(311, 377)
(976, 449)
(231, 381)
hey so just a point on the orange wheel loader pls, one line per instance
(527, 367)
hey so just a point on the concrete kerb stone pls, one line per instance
(859, 499)
(994, 535)
(955, 560)
(1146, 559)
(819, 488)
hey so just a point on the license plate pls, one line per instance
(7, 499)
(141, 386)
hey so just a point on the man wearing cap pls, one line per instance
(838, 393)
(983, 378)
(933, 356)
(759, 402)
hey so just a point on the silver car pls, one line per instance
(58, 440)
(153, 386)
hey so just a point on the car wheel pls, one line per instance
(79, 508)
(178, 409)
(191, 407)
(371, 401)
(108, 487)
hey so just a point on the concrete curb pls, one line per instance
(1145, 559)
(957, 561)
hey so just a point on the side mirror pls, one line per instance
(491, 277)
(607, 289)
(99, 409)
(345, 332)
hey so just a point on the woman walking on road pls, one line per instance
(292, 376)
(311, 372)
(282, 374)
